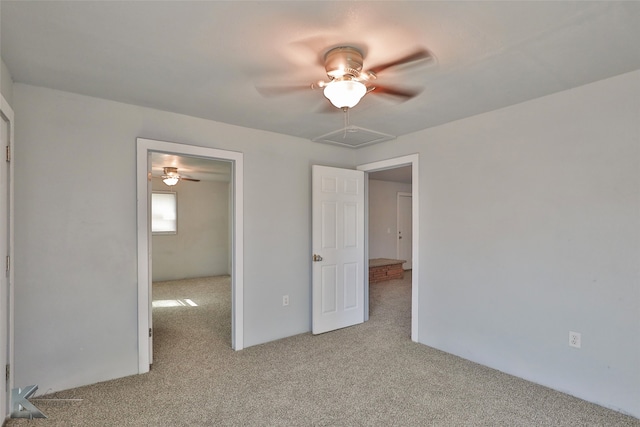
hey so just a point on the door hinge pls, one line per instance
(8, 153)
(8, 264)
(150, 332)
(7, 372)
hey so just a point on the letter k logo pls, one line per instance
(21, 407)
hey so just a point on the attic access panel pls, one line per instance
(353, 137)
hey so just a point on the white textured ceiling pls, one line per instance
(205, 59)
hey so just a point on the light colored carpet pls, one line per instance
(366, 375)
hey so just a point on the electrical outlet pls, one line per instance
(575, 339)
(285, 300)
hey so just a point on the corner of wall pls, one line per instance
(6, 83)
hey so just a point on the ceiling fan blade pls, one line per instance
(278, 90)
(182, 178)
(419, 55)
(394, 91)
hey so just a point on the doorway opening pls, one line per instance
(404, 164)
(147, 149)
(190, 247)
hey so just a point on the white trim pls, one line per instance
(144, 148)
(7, 112)
(411, 159)
(365, 272)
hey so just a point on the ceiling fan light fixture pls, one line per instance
(345, 93)
(170, 180)
(170, 176)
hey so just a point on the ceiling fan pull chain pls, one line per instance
(346, 122)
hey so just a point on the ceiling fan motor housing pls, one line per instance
(168, 170)
(343, 61)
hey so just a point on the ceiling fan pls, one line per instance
(171, 176)
(348, 81)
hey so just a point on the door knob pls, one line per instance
(316, 258)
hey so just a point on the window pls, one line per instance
(164, 213)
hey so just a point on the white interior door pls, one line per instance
(338, 248)
(405, 233)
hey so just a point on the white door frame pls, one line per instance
(409, 160)
(8, 347)
(144, 148)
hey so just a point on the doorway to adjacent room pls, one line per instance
(391, 164)
(146, 148)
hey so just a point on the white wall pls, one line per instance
(383, 217)
(201, 246)
(530, 228)
(6, 83)
(76, 290)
